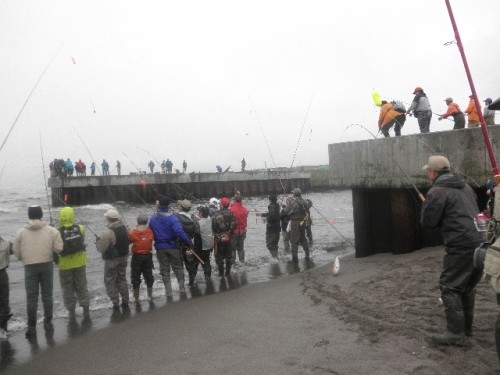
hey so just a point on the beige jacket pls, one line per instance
(36, 243)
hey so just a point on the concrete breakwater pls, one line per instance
(141, 188)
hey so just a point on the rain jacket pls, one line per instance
(471, 111)
(387, 114)
(108, 241)
(453, 110)
(451, 206)
(37, 242)
(240, 212)
(78, 259)
(141, 239)
(273, 222)
(167, 229)
(420, 103)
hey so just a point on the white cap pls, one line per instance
(112, 214)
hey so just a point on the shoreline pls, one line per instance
(375, 317)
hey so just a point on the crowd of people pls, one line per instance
(182, 240)
(393, 113)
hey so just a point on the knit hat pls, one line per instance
(163, 201)
(225, 202)
(35, 212)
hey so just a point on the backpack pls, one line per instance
(398, 106)
(223, 226)
(188, 225)
(72, 240)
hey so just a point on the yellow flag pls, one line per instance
(376, 98)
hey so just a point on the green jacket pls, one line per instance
(76, 260)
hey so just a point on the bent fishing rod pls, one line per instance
(301, 131)
(29, 96)
(45, 178)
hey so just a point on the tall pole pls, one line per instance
(486, 136)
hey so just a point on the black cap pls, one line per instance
(35, 212)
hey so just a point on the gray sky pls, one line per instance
(178, 79)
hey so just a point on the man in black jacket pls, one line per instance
(451, 206)
(273, 225)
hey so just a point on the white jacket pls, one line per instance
(36, 243)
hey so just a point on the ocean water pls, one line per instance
(333, 232)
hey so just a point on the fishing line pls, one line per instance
(341, 235)
(301, 130)
(29, 96)
(45, 177)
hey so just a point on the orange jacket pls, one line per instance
(387, 114)
(141, 239)
(472, 111)
(453, 109)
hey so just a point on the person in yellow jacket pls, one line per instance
(390, 116)
(471, 112)
(73, 263)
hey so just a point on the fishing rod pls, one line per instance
(420, 195)
(301, 130)
(29, 96)
(45, 178)
(341, 235)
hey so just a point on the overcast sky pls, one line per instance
(212, 82)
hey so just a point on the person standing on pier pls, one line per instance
(113, 245)
(421, 109)
(92, 168)
(472, 113)
(151, 166)
(105, 167)
(297, 211)
(35, 246)
(240, 212)
(454, 111)
(489, 114)
(167, 230)
(390, 116)
(243, 165)
(451, 206)
(118, 168)
(73, 263)
(184, 166)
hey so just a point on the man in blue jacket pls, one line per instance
(167, 230)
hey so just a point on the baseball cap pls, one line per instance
(112, 214)
(184, 203)
(437, 163)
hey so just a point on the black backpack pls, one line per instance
(72, 240)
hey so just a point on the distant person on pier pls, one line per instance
(118, 168)
(92, 168)
(113, 245)
(285, 229)
(141, 238)
(5, 315)
(297, 211)
(72, 264)
(421, 109)
(219, 168)
(243, 165)
(207, 240)
(184, 166)
(240, 212)
(223, 224)
(472, 113)
(80, 168)
(163, 167)
(451, 206)
(454, 111)
(168, 232)
(169, 166)
(105, 167)
(489, 114)
(35, 246)
(391, 114)
(70, 168)
(273, 225)
(151, 166)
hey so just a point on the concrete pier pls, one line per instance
(382, 172)
(141, 188)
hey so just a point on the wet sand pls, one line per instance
(375, 317)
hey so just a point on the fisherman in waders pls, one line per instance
(141, 238)
(240, 212)
(454, 111)
(451, 206)
(113, 245)
(297, 211)
(391, 115)
(223, 224)
(421, 109)
(167, 230)
(5, 315)
(72, 263)
(192, 230)
(273, 225)
(285, 230)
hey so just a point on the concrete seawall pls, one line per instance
(381, 174)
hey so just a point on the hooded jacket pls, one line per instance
(78, 259)
(167, 229)
(37, 242)
(240, 212)
(451, 206)
(387, 114)
(420, 103)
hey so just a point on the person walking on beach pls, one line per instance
(5, 315)
(223, 224)
(451, 206)
(489, 114)
(207, 240)
(240, 212)
(113, 245)
(297, 211)
(421, 109)
(273, 225)
(35, 245)
(454, 111)
(167, 230)
(72, 263)
(472, 113)
(391, 115)
(141, 238)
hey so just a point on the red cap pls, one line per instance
(224, 202)
(417, 89)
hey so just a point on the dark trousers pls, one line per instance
(223, 252)
(4, 299)
(272, 240)
(141, 264)
(207, 267)
(459, 121)
(191, 262)
(424, 121)
(39, 276)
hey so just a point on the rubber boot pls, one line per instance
(454, 334)
(221, 269)
(191, 280)
(168, 288)
(295, 259)
(150, 293)
(307, 254)
(468, 320)
(228, 269)
(136, 294)
(182, 287)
